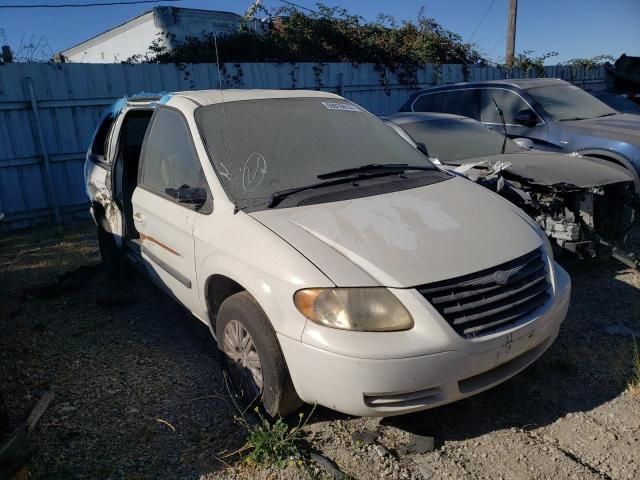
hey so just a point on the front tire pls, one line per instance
(253, 358)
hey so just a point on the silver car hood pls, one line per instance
(623, 127)
(406, 238)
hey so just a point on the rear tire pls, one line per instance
(253, 357)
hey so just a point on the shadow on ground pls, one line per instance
(139, 390)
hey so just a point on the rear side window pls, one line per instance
(509, 102)
(169, 160)
(100, 139)
(462, 102)
(429, 102)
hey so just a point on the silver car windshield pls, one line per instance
(567, 102)
(271, 145)
(455, 139)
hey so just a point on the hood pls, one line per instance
(548, 169)
(624, 127)
(406, 238)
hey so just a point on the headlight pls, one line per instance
(361, 309)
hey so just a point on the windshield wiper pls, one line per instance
(571, 119)
(504, 126)
(345, 176)
(276, 197)
(586, 118)
(373, 169)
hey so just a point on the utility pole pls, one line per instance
(511, 32)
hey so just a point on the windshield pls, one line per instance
(284, 143)
(567, 102)
(455, 139)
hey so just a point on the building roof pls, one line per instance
(133, 22)
(210, 97)
(107, 34)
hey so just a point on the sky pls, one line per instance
(573, 28)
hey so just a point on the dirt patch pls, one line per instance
(140, 394)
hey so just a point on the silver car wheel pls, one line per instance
(243, 357)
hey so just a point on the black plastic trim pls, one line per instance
(167, 268)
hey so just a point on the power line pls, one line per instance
(83, 5)
(496, 45)
(481, 20)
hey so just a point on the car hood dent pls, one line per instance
(623, 127)
(563, 171)
(406, 238)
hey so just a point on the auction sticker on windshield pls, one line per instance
(347, 107)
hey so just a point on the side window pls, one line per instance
(429, 102)
(462, 102)
(509, 102)
(100, 139)
(170, 164)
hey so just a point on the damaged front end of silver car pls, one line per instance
(587, 220)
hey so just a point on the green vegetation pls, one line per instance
(526, 62)
(328, 35)
(589, 63)
(274, 443)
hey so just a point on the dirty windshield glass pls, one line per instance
(567, 102)
(278, 144)
(453, 139)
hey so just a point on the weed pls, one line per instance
(274, 443)
(270, 442)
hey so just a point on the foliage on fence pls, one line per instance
(328, 35)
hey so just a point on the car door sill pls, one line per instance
(135, 257)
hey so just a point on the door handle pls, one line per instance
(139, 218)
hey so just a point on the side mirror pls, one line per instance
(524, 142)
(185, 194)
(526, 117)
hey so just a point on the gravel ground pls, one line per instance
(139, 393)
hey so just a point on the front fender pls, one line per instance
(261, 262)
(609, 155)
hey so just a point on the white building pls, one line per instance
(135, 36)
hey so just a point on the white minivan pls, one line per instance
(334, 264)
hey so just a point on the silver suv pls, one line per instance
(551, 113)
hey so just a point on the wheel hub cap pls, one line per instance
(238, 346)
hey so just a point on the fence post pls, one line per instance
(43, 148)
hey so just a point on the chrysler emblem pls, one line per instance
(501, 278)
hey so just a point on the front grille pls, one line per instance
(493, 299)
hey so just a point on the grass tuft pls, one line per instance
(274, 442)
(270, 442)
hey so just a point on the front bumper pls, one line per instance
(393, 386)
